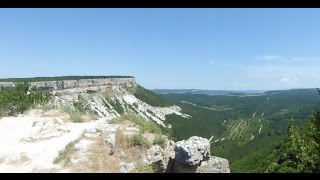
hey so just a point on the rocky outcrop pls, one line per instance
(192, 151)
(155, 158)
(110, 140)
(126, 167)
(189, 156)
(214, 165)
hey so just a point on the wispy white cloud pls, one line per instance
(275, 58)
(289, 80)
(305, 59)
(272, 57)
(289, 72)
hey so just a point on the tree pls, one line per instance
(21, 97)
(301, 152)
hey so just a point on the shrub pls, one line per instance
(76, 116)
(142, 167)
(21, 97)
(138, 140)
(117, 120)
(117, 106)
(145, 124)
(159, 140)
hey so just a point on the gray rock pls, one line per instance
(131, 131)
(110, 141)
(192, 151)
(126, 167)
(91, 130)
(83, 144)
(214, 165)
(155, 154)
(168, 152)
(91, 135)
(111, 128)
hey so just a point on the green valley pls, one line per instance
(246, 128)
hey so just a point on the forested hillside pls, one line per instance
(248, 129)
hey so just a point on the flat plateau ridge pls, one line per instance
(68, 84)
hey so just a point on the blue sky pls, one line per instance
(166, 48)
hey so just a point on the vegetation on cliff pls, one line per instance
(302, 152)
(150, 97)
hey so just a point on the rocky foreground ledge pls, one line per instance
(187, 156)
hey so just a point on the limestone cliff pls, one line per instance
(105, 97)
(69, 84)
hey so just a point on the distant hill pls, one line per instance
(213, 92)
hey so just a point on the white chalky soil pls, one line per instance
(23, 147)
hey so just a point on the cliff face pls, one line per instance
(105, 97)
(69, 84)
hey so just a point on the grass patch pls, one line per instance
(79, 105)
(64, 155)
(138, 140)
(145, 125)
(48, 107)
(117, 120)
(76, 116)
(121, 140)
(159, 140)
(117, 106)
(141, 167)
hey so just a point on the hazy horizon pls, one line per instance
(207, 48)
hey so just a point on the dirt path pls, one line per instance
(30, 143)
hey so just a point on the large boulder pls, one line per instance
(214, 165)
(192, 151)
(193, 156)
